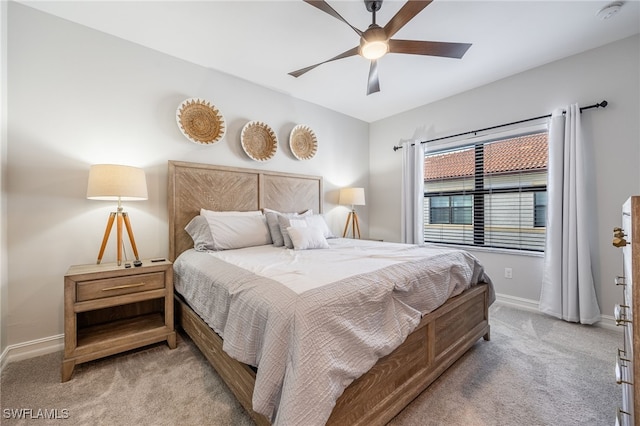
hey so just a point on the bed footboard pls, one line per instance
(442, 337)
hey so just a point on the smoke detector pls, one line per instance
(610, 10)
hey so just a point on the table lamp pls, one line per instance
(353, 197)
(116, 182)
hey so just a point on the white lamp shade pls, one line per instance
(113, 182)
(352, 196)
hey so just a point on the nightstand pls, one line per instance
(110, 309)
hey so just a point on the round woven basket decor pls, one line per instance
(259, 141)
(200, 121)
(303, 142)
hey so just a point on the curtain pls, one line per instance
(567, 290)
(412, 192)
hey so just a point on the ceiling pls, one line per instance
(261, 41)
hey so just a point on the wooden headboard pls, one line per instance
(193, 186)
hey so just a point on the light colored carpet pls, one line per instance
(535, 371)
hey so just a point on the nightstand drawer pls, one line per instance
(98, 289)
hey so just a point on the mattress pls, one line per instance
(312, 321)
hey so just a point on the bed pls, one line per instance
(428, 343)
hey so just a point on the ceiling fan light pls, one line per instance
(374, 49)
(374, 43)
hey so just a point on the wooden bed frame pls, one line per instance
(441, 338)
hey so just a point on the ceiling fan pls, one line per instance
(376, 41)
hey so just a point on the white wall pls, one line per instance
(79, 97)
(610, 72)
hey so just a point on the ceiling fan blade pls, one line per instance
(430, 48)
(405, 14)
(350, 52)
(324, 6)
(373, 85)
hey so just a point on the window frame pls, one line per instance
(451, 210)
(479, 191)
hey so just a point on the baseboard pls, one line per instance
(606, 321)
(31, 349)
(609, 322)
(517, 302)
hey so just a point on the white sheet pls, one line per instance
(303, 270)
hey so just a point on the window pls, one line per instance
(490, 193)
(540, 206)
(451, 209)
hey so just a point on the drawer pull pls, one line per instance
(619, 373)
(619, 316)
(120, 287)
(619, 378)
(619, 414)
(619, 233)
(619, 242)
(620, 281)
(622, 352)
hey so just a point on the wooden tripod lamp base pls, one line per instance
(352, 220)
(353, 197)
(120, 217)
(117, 182)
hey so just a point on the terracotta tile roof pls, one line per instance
(449, 165)
(521, 153)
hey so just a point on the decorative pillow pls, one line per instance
(233, 232)
(318, 221)
(306, 238)
(286, 223)
(274, 224)
(274, 227)
(199, 231)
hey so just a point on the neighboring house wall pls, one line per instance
(500, 223)
(78, 97)
(610, 72)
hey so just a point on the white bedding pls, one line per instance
(313, 321)
(302, 270)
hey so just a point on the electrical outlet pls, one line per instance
(508, 273)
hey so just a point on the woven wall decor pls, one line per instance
(200, 121)
(303, 142)
(259, 141)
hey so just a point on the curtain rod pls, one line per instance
(602, 104)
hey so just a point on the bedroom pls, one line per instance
(69, 104)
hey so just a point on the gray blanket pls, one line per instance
(309, 347)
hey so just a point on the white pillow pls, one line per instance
(285, 224)
(318, 221)
(274, 224)
(298, 222)
(233, 232)
(305, 238)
